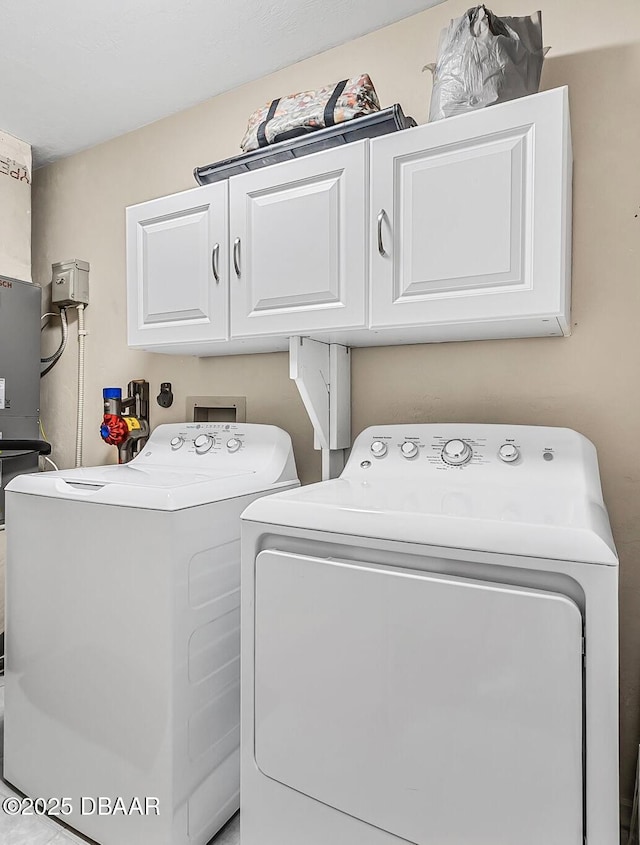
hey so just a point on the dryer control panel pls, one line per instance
(482, 452)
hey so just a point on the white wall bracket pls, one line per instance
(322, 373)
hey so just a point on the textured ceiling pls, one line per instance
(78, 72)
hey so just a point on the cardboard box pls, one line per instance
(15, 208)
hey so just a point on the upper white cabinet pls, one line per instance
(177, 268)
(457, 230)
(298, 236)
(471, 221)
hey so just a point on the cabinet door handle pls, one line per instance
(215, 262)
(236, 256)
(381, 216)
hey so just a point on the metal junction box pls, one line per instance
(70, 283)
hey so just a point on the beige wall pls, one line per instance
(588, 382)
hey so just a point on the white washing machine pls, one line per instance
(430, 646)
(123, 632)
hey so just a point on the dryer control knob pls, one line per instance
(233, 445)
(409, 449)
(177, 442)
(378, 448)
(508, 453)
(203, 443)
(456, 452)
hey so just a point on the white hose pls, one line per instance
(80, 418)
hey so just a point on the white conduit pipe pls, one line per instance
(80, 418)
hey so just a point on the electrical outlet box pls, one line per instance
(70, 283)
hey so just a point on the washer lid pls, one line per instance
(154, 488)
(133, 476)
(171, 473)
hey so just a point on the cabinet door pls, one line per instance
(471, 218)
(177, 268)
(298, 235)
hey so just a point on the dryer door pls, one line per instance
(436, 708)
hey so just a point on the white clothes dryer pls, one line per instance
(123, 632)
(430, 646)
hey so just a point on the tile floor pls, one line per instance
(21, 830)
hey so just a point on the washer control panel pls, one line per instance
(212, 446)
(475, 450)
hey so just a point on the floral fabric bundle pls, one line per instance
(297, 114)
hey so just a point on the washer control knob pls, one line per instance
(203, 443)
(409, 449)
(378, 449)
(233, 445)
(508, 453)
(456, 452)
(177, 442)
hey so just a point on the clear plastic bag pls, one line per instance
(485, 59)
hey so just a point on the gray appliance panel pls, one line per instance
(20, 348)
(20, 304)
